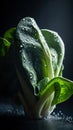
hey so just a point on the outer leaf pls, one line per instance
(62, 87)
(33, 53)
(56, 91)
(57, 49)
(66, 90)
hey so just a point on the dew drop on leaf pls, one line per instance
(21, 46)
(31, 75)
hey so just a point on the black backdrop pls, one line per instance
(56, 15)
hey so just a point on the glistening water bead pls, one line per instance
(21, 46)
(23, 28)
(31, 75)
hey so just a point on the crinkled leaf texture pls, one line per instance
(40, 52)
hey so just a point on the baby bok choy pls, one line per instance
(38, 58)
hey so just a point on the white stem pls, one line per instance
(40, 104)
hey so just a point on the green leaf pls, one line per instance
(33, 54)
(6, 41)
(56, 45)
(56, 91)
(4, 46)
(62, 87)
(10, 34)
(65, 88)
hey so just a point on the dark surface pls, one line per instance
(20, 124)
(13, 117)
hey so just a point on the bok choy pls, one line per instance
(38, 58)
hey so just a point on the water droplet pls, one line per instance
(31, 75)
(21, 46)
(61, 54)
(22, 28)
(45, 65)
(23, 19)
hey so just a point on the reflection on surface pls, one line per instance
(12, 116)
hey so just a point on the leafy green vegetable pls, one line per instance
(38, 59)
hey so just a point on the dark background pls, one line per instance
(56, 15)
